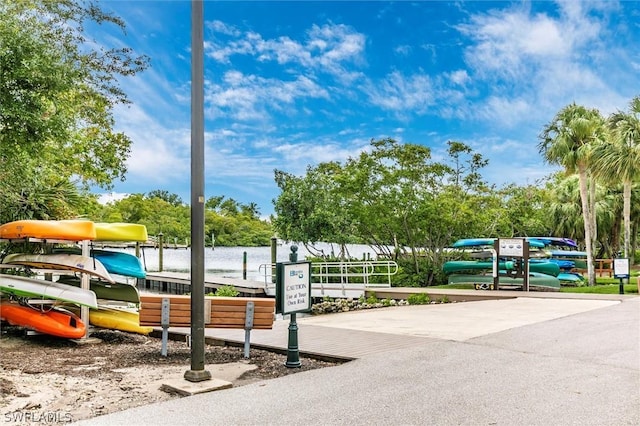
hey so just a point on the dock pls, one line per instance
(180, 283)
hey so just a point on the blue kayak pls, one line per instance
(115, 262)
(556, 241)
(120, 263)
(482, 242)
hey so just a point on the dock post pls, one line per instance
(160, 245)
(274, 258)
(244, 265)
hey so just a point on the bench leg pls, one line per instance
(247, 342)
(165, 339)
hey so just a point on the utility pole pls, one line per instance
(197, 372)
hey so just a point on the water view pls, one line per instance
(228, 261)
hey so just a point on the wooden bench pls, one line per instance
(219, 312)
(601, 267)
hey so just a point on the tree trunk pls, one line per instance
(586, 215)
(627, 218)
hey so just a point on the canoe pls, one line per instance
(115, 262)
(123, 232)
(537, 281)
(53, 322)
(120, 292)
(117, 319)
(535, 265)
(68, 230)
(61, 261)
(29, 287)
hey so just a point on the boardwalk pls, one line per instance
(353, 335)
(180, 283)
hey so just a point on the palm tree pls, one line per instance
(619, 159)
(567, 141)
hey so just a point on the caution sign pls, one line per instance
(293, 287)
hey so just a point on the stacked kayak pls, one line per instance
(546, 272)
(35, 303)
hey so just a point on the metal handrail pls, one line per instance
(322, 272)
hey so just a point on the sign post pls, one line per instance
(293, 295)
(621, 270)
(518, 249)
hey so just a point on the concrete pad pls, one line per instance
(186, 388)
(458, 321)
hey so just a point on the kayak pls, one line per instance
(123, 232)
(115, 262)
(117, 319)
(120, 292)
(61, 261)
(54, 322)
(481, 242)
(535, 265)
(537, 281)
(30, 287)
(68, 230)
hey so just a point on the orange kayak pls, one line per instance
(68, 230)
(54, 322)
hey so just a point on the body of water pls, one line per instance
(228, 261)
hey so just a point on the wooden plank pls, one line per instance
(222, 308)
(226, 312)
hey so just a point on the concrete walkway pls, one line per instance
(523, 361)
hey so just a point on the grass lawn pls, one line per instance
(603, 286)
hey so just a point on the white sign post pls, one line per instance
(621, 270)
(296, 291)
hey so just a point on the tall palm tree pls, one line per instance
(619, 159)
(567, 141)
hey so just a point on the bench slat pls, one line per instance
(226, 312)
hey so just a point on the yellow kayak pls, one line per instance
(117, 319)
(124, 232)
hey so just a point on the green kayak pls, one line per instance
(452, 266)
(537, 281)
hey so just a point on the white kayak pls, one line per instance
(61, 261)
(30, 287)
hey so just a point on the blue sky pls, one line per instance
(291, 84)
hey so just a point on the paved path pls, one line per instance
(524, 361)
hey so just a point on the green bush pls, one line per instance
(227, 291)
(419, 299)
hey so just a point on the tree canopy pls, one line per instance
(57, 94)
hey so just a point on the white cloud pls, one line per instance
(400, 93)
(326, 49)
(110, 197)
(250, 97)
(158, 154)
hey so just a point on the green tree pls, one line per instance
(170, 198)
(619, 159)
(568, 141)
(57, 93)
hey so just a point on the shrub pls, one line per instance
(227, 291)
(418, 299)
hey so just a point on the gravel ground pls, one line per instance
(50, 380)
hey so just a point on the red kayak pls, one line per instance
(54, 322)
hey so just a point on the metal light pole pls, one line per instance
(197, 372)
